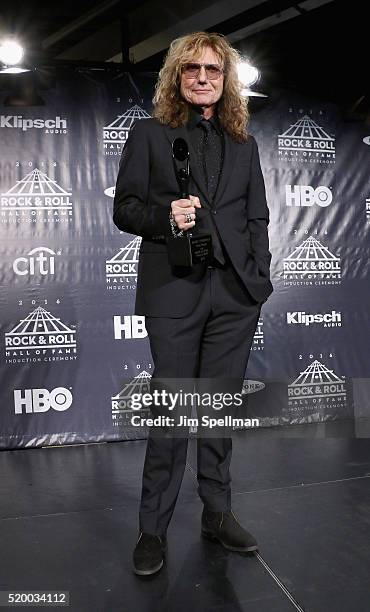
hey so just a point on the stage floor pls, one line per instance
(69, 522)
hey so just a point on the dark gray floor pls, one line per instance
(69, 522)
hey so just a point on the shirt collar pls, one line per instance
(195, 118)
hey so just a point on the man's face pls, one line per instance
(201, 90)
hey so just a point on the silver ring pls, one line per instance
(188, 217)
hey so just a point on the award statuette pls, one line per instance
(183, 248)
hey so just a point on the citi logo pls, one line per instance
(329, 319)
(40, 260)
(28, 401)
(305, 195)
(132, 326)
(20, 123)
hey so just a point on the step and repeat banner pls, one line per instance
(72, 352)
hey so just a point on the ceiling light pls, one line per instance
(13, 70)
(248, 93)
(248, 74)
(11, 52)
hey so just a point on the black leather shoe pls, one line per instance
(149, 553)
(224, 527)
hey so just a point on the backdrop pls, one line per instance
(71, 350)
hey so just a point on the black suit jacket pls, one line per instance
(146, 186)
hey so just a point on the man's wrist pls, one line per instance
(175, 230)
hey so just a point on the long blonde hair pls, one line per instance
(169, 106)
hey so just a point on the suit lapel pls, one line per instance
(181, 132)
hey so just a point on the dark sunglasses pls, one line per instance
(192, 70)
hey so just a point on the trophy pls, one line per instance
(185, 249)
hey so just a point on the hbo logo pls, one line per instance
(305, 195)
(133, 326)
(41, 400)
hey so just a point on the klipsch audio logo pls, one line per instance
(258, 338)
(38, 261)
(122, 402)
(40, 335)
(315, 388)
(129, 327)
(49, 126)
(306, 141)
(116, 133)
(327, 319)
(305, 195)
(36, 197)
(28, 401)
(121, 270)
(311, 263)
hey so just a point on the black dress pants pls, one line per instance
(213, 341)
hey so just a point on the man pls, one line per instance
(200, 320)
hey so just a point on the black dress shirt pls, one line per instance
(196, 136)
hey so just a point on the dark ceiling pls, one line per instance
(314, 46)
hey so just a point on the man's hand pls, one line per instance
(180, 208)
